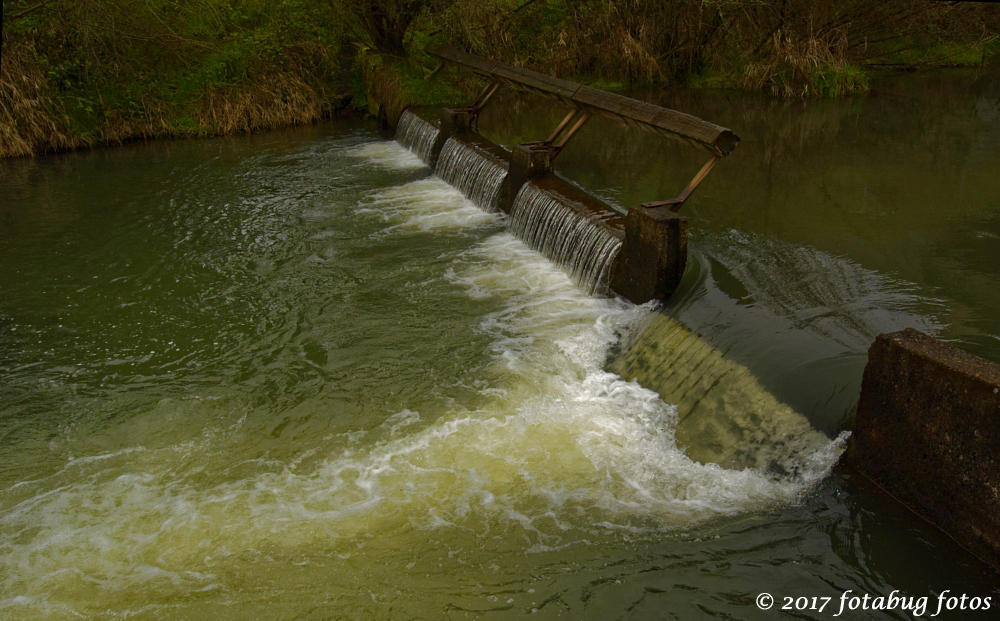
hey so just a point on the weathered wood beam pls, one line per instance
(716, 139)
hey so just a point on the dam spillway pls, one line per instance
(364, 384)
(476, 167)
(639, 255)
(581, 245)
(319, 384)
(643, 255)
(417, 134)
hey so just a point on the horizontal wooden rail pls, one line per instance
(716, 139)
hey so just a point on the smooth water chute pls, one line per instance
(725, 416)
(417, 134)
(581, 244)
(468, 166)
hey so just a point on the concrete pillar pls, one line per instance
(528, 161)
(454, 121)
(458, 120)
(928, 432)
(652, 258)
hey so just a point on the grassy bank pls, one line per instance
(391, 83)
(76, 73)
(87, 72)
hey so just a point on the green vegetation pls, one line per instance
(81, 72)
(789, 48)
(394, 82)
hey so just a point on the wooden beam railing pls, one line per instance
(717, 140)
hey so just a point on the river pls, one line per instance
(295, 375)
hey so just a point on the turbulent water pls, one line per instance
(417, 134)
(581, 245)
(477, 175)
(724, 415)
(298, 376)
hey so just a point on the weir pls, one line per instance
(475, 166)
(724, 415)
(418, 134)
(928, 420)
(640, 255)
(575, 241)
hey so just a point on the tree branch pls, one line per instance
(27, 11)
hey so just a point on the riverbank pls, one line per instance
(104, 72)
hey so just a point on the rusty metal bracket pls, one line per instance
(562, 125)
(560, 136)
(434, 71)
(678, 201)
(572, 131)
(471, 111)
(484, 96)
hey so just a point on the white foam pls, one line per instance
(426, 205)
(388, 154)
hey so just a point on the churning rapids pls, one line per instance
(318, 380)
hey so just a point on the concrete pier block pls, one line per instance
(528, 161)
(454, 122)
(928, 432)
(652, 259)
(458, 120)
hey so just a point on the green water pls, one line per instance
(295, 376)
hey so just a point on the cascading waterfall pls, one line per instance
(473, 172)
(580, 244)
(417, 134)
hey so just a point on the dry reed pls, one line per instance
(30, 119)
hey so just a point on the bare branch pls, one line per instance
(27, 11)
